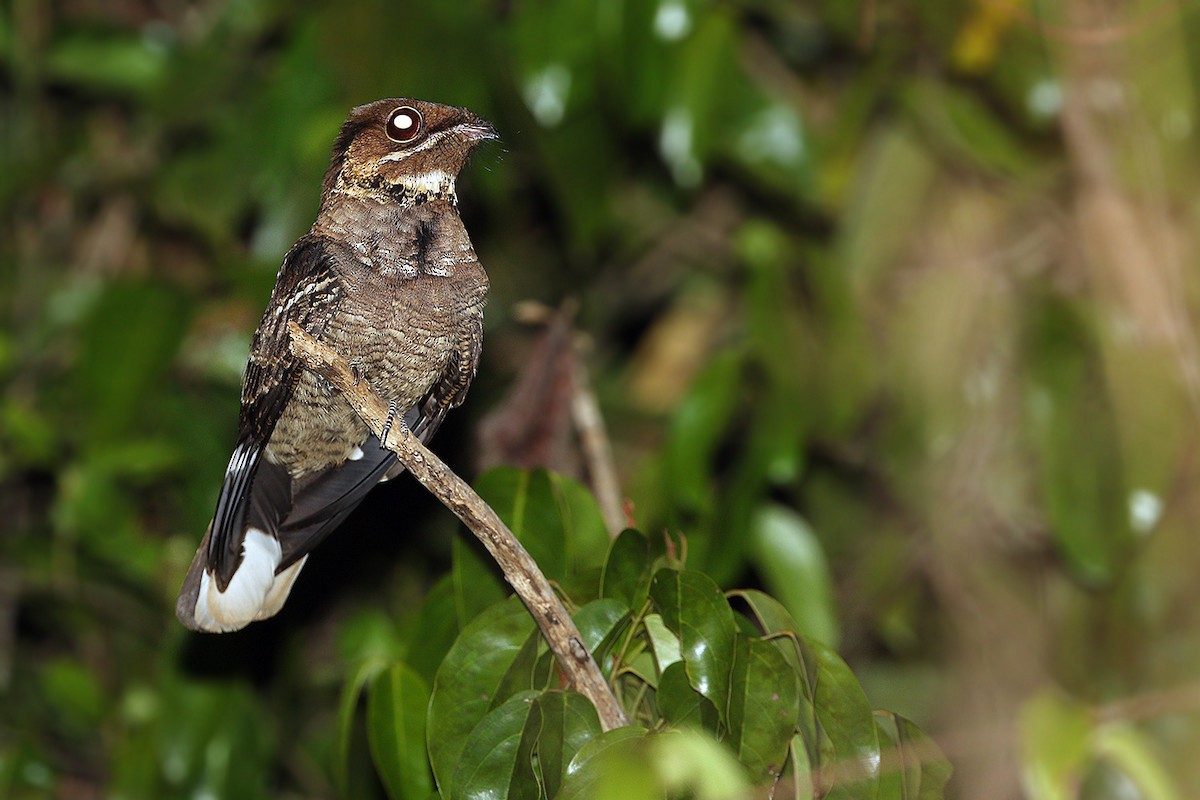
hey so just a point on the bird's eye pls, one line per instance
(403, 124)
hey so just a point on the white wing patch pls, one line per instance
(255, 591)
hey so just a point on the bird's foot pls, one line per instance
(392, 420)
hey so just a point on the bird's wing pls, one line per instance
(240, 572)
(330, 496)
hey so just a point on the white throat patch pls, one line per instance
(432, 183)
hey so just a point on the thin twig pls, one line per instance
(593, 441)
(519, 569)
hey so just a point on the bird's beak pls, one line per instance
(477, 130)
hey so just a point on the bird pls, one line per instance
(388, 277)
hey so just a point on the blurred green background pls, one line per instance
(889, 308)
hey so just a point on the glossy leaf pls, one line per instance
(772, 618)
(468, 680)
(764, 703)
(530, 513)
(397, 703)
(626, 574)
(792, 563)
(799, 773)
(898, 777)
(476, 580)
(679, 704)
(521, 675)
(491, 765)
(601, 624)
(919, 748)
(593, 762)
(598, 620)
(693, 607)
(663, 643)
(847, 724)
(555, 518)
(568, 723)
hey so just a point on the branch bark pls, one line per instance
(519, 568)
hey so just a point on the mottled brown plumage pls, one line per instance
(388, 277)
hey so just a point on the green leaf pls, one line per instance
(569, 722)
(592, 765)
(789, 557)
(1054, 741)
(73, 692)
(696, 429)
(630, 766)
(919, 748)
(626, 575)
(396, 706)
(587, 533)
(772, 618)
(370, 634)
(847, 722)
(598, 620)
(764, 704)
(705, 69)
(639, 662)
(693, 607)
(347, 707)
(901, 780)
(1133, 752)
(799, 772)
(1072, 421)
(435, 630)
(142, 323)
(690, 763)
(601, 623)
(490, 766)
(664, 643)
(468, 679)
(477, 586)
(556, 519)
(124, 63)
(916, 768)
(508, 490)
(521, 675)
(965, 126)
(681, 705)
(217, 737)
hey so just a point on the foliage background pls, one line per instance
(891, 309)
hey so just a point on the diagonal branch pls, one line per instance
(519, 569)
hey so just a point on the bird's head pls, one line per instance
(405, 149)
